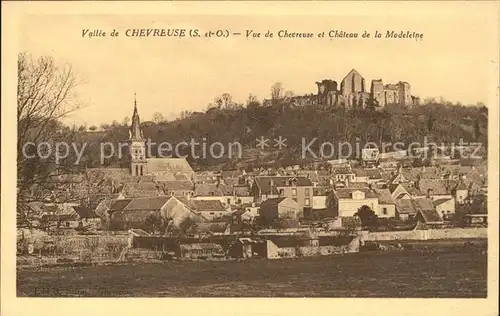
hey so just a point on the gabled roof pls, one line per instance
(423, 204)
(213, 189)
(147, 204)
(431, 216)
(178, 185)
(360, 172)
(373, 174)
(405, 206)
(438, 186)
(384, 196)
(272, 203)
(440, 201)
(264, 183)
(346, 193)
(85, 212)
(141, 189)
(205, 205)
(168, 165)
(119, 205)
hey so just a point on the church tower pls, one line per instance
(137, 145)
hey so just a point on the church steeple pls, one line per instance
(135, 128)
(138, 163)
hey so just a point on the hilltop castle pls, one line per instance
(353, 93)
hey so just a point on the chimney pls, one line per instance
(429, 192)
(271, 185)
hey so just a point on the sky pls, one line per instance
(453, 60)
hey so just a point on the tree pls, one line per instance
(155, 224)
(126, 121)
(477, 130)
(276, 92)
(46, 93)
(252, 101)
(367, 216)
(93, 128)
(372, 103)
(158, 118)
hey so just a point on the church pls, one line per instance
(141, 165)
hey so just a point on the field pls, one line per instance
(443, 270)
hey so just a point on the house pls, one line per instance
(445, 207)
(88, 218)
(347, 201)
(243, 195)
(208, 209)
(247, 248)
(386, 205)
(173, 212)
(460, 193)
(434, 188)
(242, 215)
(215, 192)
(280, 208)
(343, 174)
(299, 189)
(134, 213)
(60, 215)
(200, 251)
(178, 188)
(429, 217)
(407, 209)
(374, 175)
(404, 191)
(141, 189)
(361, 175)
(319, 198)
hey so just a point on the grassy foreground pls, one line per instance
(450, 271)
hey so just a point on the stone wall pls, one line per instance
(80, 247)
(450, 233)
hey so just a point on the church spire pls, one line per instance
(135, 128)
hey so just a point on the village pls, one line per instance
(160, 208)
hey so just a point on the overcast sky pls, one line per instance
(170, 75)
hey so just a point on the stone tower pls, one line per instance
(377, 92)
(137, 145)
(405, 94)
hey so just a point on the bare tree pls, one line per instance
(158, 118)
(277, 92)
(126, 121)
(252, 101)
(46, 93)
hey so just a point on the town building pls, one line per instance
(299, 189)
(280, 208)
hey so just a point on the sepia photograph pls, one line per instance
(237, 154)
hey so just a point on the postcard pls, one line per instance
(336, 154)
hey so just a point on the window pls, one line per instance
(228, 201)
(294, 192)
(282, 192)
(295, 199)
(384, 210)
(307, 191)
(307, 202)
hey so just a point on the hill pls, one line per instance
(432, 122)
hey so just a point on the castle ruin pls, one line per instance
(353, 93)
